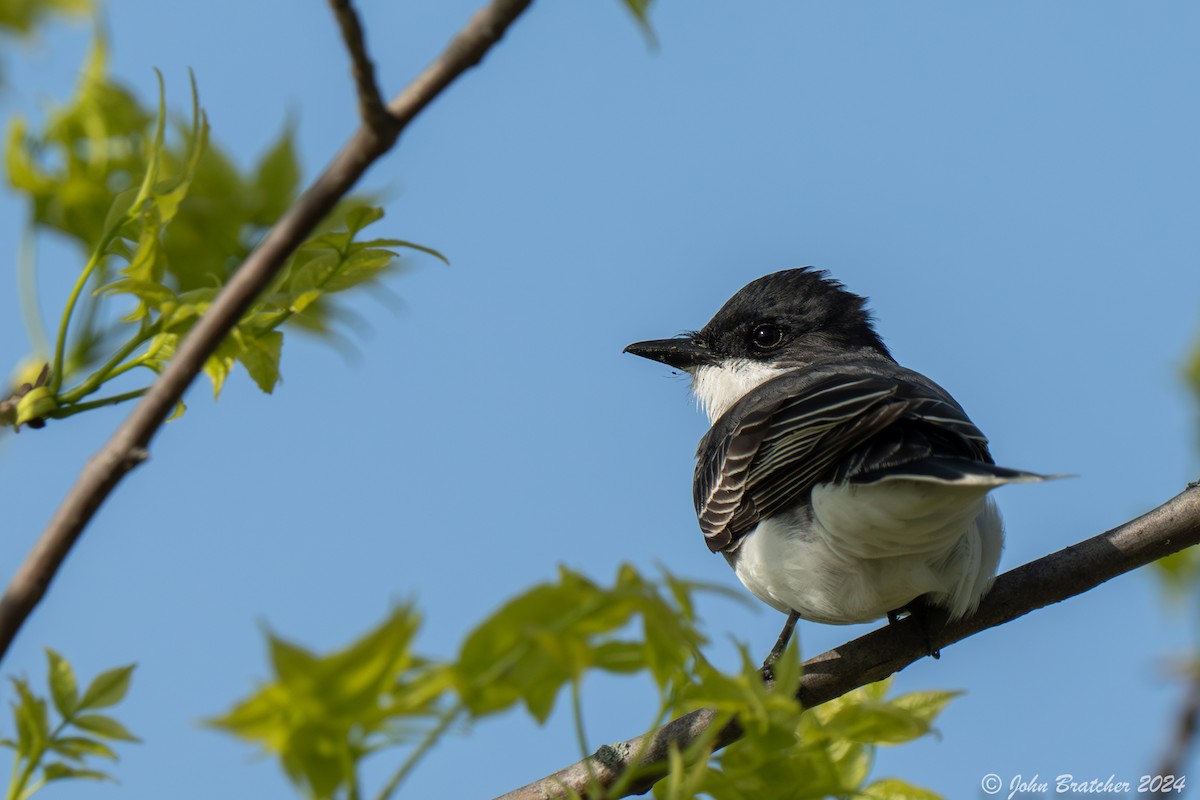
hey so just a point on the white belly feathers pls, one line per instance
(865, 550)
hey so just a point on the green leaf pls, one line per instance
(765, 760)
(323, 713)
(686, 776)
(294, 666)
(788, 669)
(640, 10)
(360, 267)
(277, 177)
(108, 688)
(1179, 571)
(56, 770)
(536, 643)
(360, 217)
(409, 246)
(354, 680)
(851, 761)
(170, 193)
(549, 636)
(319, 760)
(64, 690)
(220, 363)
(153, 294)
(155, 147)
(31, 718)
(105, 726)
(925, 706)
(260, 356)
(865, 716)
(78, 748)
(1192, 370)
(261, 717)
(146, 262)
(119, 211)
(313, 269)
(618, 656)
(20, 165)
(303, 300)
(871, 722)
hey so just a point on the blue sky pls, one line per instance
(1014, 185)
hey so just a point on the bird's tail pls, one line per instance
(954, 471)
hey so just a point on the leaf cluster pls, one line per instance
(322, 715)
(60, 745)
(163, 218)
(789, 753)
(549, 636)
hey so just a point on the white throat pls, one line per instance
(717, 387)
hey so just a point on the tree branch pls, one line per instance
(128, 446)
(1051, 579)
(370, 101)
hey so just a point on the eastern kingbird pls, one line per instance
(840, 486)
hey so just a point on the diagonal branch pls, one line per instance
(128, 446)
(370, 100)
(1051, 579)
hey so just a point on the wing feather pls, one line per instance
(800, 429)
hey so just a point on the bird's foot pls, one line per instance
(922, 614)
(767, 670)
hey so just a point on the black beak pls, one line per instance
(679, 353)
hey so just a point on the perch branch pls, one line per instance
(1051, 579)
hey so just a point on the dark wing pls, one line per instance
(766, 454)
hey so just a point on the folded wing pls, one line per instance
(868, 425)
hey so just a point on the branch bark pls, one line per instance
(370, 100)
(128, 446)
(1051, 579)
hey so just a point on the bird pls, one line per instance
(840, 486)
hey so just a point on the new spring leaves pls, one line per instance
(51, 747)
(162, 221)
(323, 715)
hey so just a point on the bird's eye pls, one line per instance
(765, 336)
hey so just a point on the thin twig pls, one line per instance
(1165, 530)
(129, 444)
(371, 107)
(88, 405)
(427, 742)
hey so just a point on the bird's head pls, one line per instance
(782, 321)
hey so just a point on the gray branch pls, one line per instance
(1051, 579)
(371, 108)
(129, 445)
